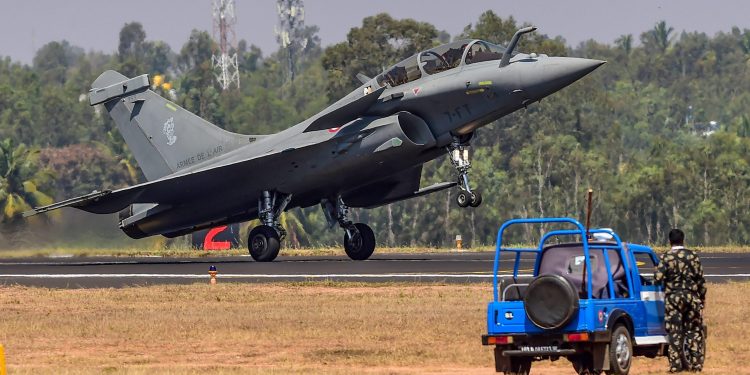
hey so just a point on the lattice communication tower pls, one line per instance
(224, 64)
(290, 31)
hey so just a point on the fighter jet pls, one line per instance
(366, 150)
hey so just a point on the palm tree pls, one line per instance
(743, 126)
(117, 147)
(625, 43)
(661, 36)
(744, 42)
(23, 184)
(290, 221)
(294, 228)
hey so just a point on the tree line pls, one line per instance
(661, 132)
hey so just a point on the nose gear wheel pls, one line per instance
(458, 152)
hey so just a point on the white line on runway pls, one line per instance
(267, 276)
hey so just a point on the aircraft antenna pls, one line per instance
(225, 64)
(290, 31)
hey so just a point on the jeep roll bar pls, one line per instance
(626, 257)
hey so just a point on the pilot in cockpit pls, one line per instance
(453, 56)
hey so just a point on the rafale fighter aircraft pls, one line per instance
(365, 150)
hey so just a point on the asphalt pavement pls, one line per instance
(454, 267)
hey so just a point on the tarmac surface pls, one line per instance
(454, 267)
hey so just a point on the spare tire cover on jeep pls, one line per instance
(550, 301)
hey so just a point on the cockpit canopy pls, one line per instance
(439, 59)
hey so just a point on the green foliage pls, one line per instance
(54, 58)
(199, 94)
(630, 130)
(493, 28)
(248, 59)
(658, 39)
(82, 168)
(137, 56)
(370, 49)
(23, 183)
(625, 43)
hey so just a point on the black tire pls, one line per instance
(263, 243)
(362, 245)
(476, 198)
(519, 366)
(620, 351)
(550, 302)
(463, 199)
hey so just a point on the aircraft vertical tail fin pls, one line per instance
(162, 136)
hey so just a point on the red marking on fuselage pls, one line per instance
(333, 130)
(416, 90)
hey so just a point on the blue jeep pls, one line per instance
(590, 298)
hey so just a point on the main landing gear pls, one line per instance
(264, 241)
(458, 151)
(359, 240)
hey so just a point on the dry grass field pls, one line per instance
(338, 328)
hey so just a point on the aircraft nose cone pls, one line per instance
(556, 73)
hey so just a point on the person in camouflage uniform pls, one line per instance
(681, 274)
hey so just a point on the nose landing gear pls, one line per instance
(458, 152)
(359, 239)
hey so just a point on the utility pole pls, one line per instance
(224, 64)
(289, 32)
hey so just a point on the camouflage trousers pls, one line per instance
(684, 324)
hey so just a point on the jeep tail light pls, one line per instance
(574, 337)
(499, 340)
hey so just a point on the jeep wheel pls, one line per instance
(620, 351)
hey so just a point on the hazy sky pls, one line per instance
(26, 25)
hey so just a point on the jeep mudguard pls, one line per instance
(619, 315)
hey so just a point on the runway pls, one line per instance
(456, 267)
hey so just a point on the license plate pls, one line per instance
(539, 348)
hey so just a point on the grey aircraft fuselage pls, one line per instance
(366, 149)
